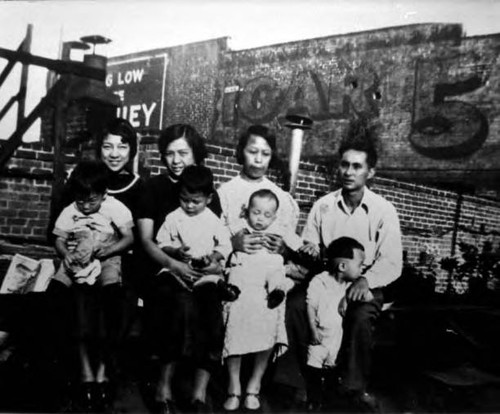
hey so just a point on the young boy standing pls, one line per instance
(326, 305)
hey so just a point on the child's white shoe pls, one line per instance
(232, 402)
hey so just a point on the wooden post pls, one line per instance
(21, 97)
(60, 129)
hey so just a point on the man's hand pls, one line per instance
(274, 243)
(343, 306)
(246, 242)
(358, 290)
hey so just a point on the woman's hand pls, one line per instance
(274, 243)
(246, 242)
(182, 254)
(185, 272)
(310, 249)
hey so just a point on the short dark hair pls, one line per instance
(189, 133)
(123, 128)
(342, 248)
(360, 137)
(89, 176)
(197, 178)
(264, 193)
(261, 131)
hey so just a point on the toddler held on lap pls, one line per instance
(195, 235)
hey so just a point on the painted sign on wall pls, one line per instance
(140, 84)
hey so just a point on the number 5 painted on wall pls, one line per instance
(444, 128)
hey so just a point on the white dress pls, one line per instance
(250, 325)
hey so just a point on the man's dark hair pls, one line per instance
(360, 137)
(197, 179)
(342, 248)
(89, 176)
(264, 193)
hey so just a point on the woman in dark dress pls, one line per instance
(186, 326)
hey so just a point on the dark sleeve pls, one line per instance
(146, 202)
(215, 205)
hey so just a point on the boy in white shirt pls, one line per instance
(193, 233)
(326, 305)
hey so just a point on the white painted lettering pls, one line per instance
(148, 112)
(137, 75)
(134, 114)
(109, 80)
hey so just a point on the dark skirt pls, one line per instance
(98, 312)
(184, 325)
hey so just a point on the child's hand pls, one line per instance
(182, 254)
(343, 306)
(69, 260)
(102, 253)
(315, 340)
(310, 249)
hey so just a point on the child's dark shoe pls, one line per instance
(275, 298)
(87, 399)
(227, 292)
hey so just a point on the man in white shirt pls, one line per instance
(357, 212)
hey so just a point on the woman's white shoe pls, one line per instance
(252, 401)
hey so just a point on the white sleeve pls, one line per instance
(223, 239)
(167, 234)
(314, 292)
(312, 229)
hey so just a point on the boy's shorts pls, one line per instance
(111, 272)
(321, 356)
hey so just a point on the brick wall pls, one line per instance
(406, 79)
(427, 215)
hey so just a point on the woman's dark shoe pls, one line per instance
(167, 407)
(103, 395)
(227, 292)
(275, 298)
(199, 407)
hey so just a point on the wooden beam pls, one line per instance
(59, 66)
(7, 106)
(21, 96)
(9, 146)
(9, 66)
